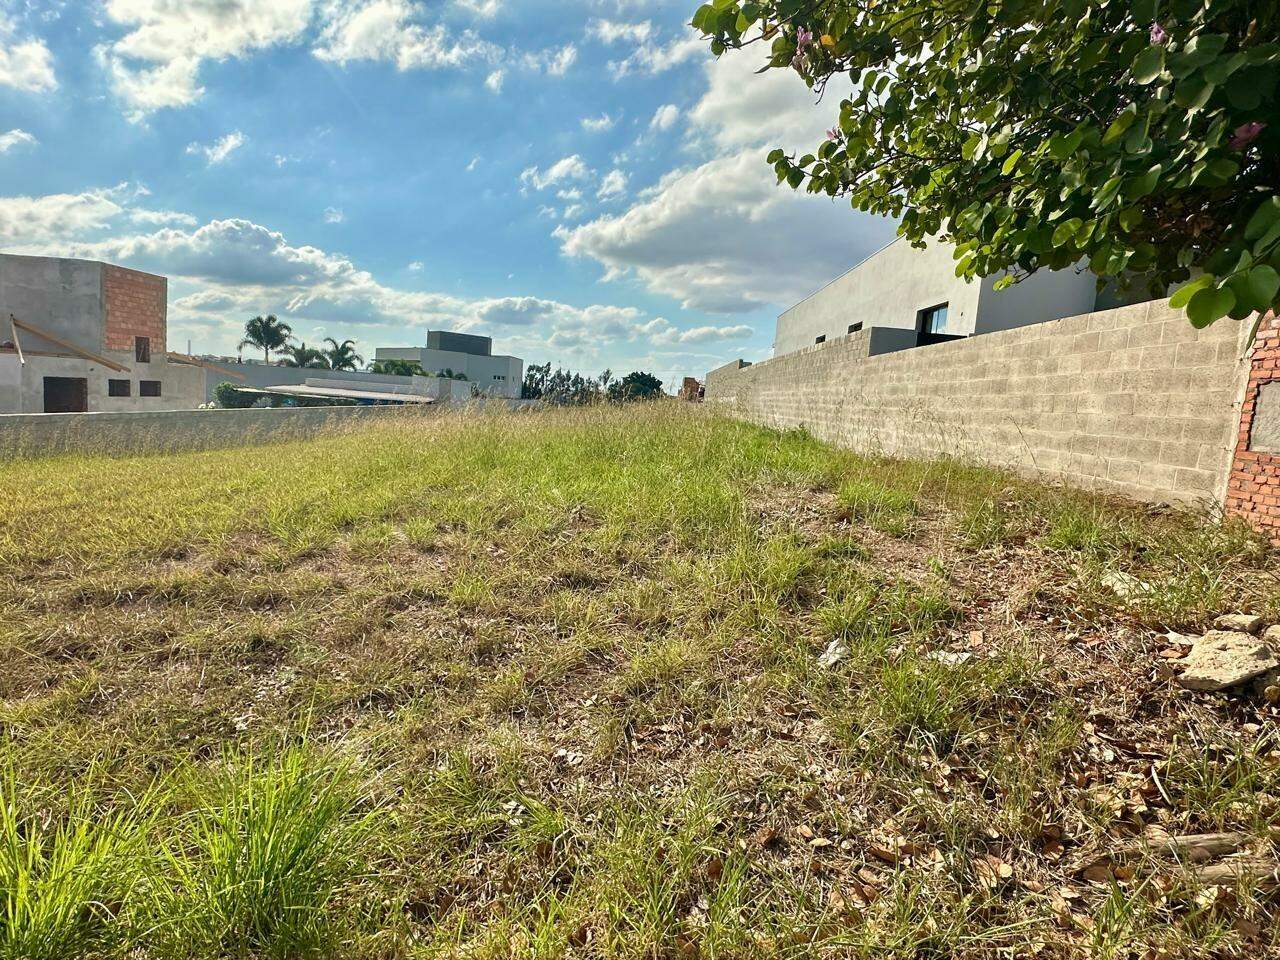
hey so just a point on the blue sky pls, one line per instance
(579, 180)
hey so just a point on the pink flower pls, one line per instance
(1245, 134)
(804, 37)
(833, 134)
(1159, 35)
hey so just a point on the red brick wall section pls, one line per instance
(1253, 488)
(136, 306)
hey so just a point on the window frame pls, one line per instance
(142, 349)
(119, 387)
(144, 387)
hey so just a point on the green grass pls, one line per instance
(550, 686)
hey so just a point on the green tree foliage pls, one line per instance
(268, 334)
(300, 355)
(341, 356)
(230, 397)
(1136, 135)
(636, 386)
(398, 368)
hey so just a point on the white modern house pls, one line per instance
(915, 297)
(467, 354)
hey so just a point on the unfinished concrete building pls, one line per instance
(79, 336)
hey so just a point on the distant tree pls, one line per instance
(535, 381)
(342, 356)
(230, 397)
(636, 386)
(300, 355)
(268, 334)
(605, 379)
(398, 368)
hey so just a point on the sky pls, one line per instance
(579, 179)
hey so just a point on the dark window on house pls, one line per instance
(931, 326)
(855, 327)
(142, 350)
(821, 339)
(66, 395)
(148, 388)
(934, 320)
(118, 388)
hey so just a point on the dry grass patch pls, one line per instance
(612, 683)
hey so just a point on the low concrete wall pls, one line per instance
(27, 435)
(1133, 401)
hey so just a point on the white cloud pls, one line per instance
(333, 215)
(29, 220)
(415, 266)
(494, 80)
(562, 171)
(661, 331)
(16, 138)
(475, 162)
(156, 64)
(481, 8)
(651, 57)
(218, 151)
(741, 108)
(226, 270)
(162, 217)
(25, 64)
(574, 193)
(598, 124)
(388, 30)
(665, 117)
(555, 63)
(613, 31)
(613, 185)
(722, 236)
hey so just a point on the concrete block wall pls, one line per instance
(1133, 401)
(27, 435)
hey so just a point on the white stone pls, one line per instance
(835, 652)
(1222, 659)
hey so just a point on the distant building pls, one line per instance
(79, 336)
(467, 354)
(690, 390)
(912, 297)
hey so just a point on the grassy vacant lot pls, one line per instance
(552, 685)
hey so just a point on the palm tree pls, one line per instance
(304, 356)
(267, 334)
(397, 368)
(342, 356)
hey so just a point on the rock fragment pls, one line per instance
(1239, 622)
(1222, 659)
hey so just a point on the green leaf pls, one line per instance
(1209, 305)
(1182, 296)
(1148, 65)
(1011, 162)
(1193, 93)
(1066, 230)
(1141, 186)
(1263, 283)
(1268, 212)
(1120, 124)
